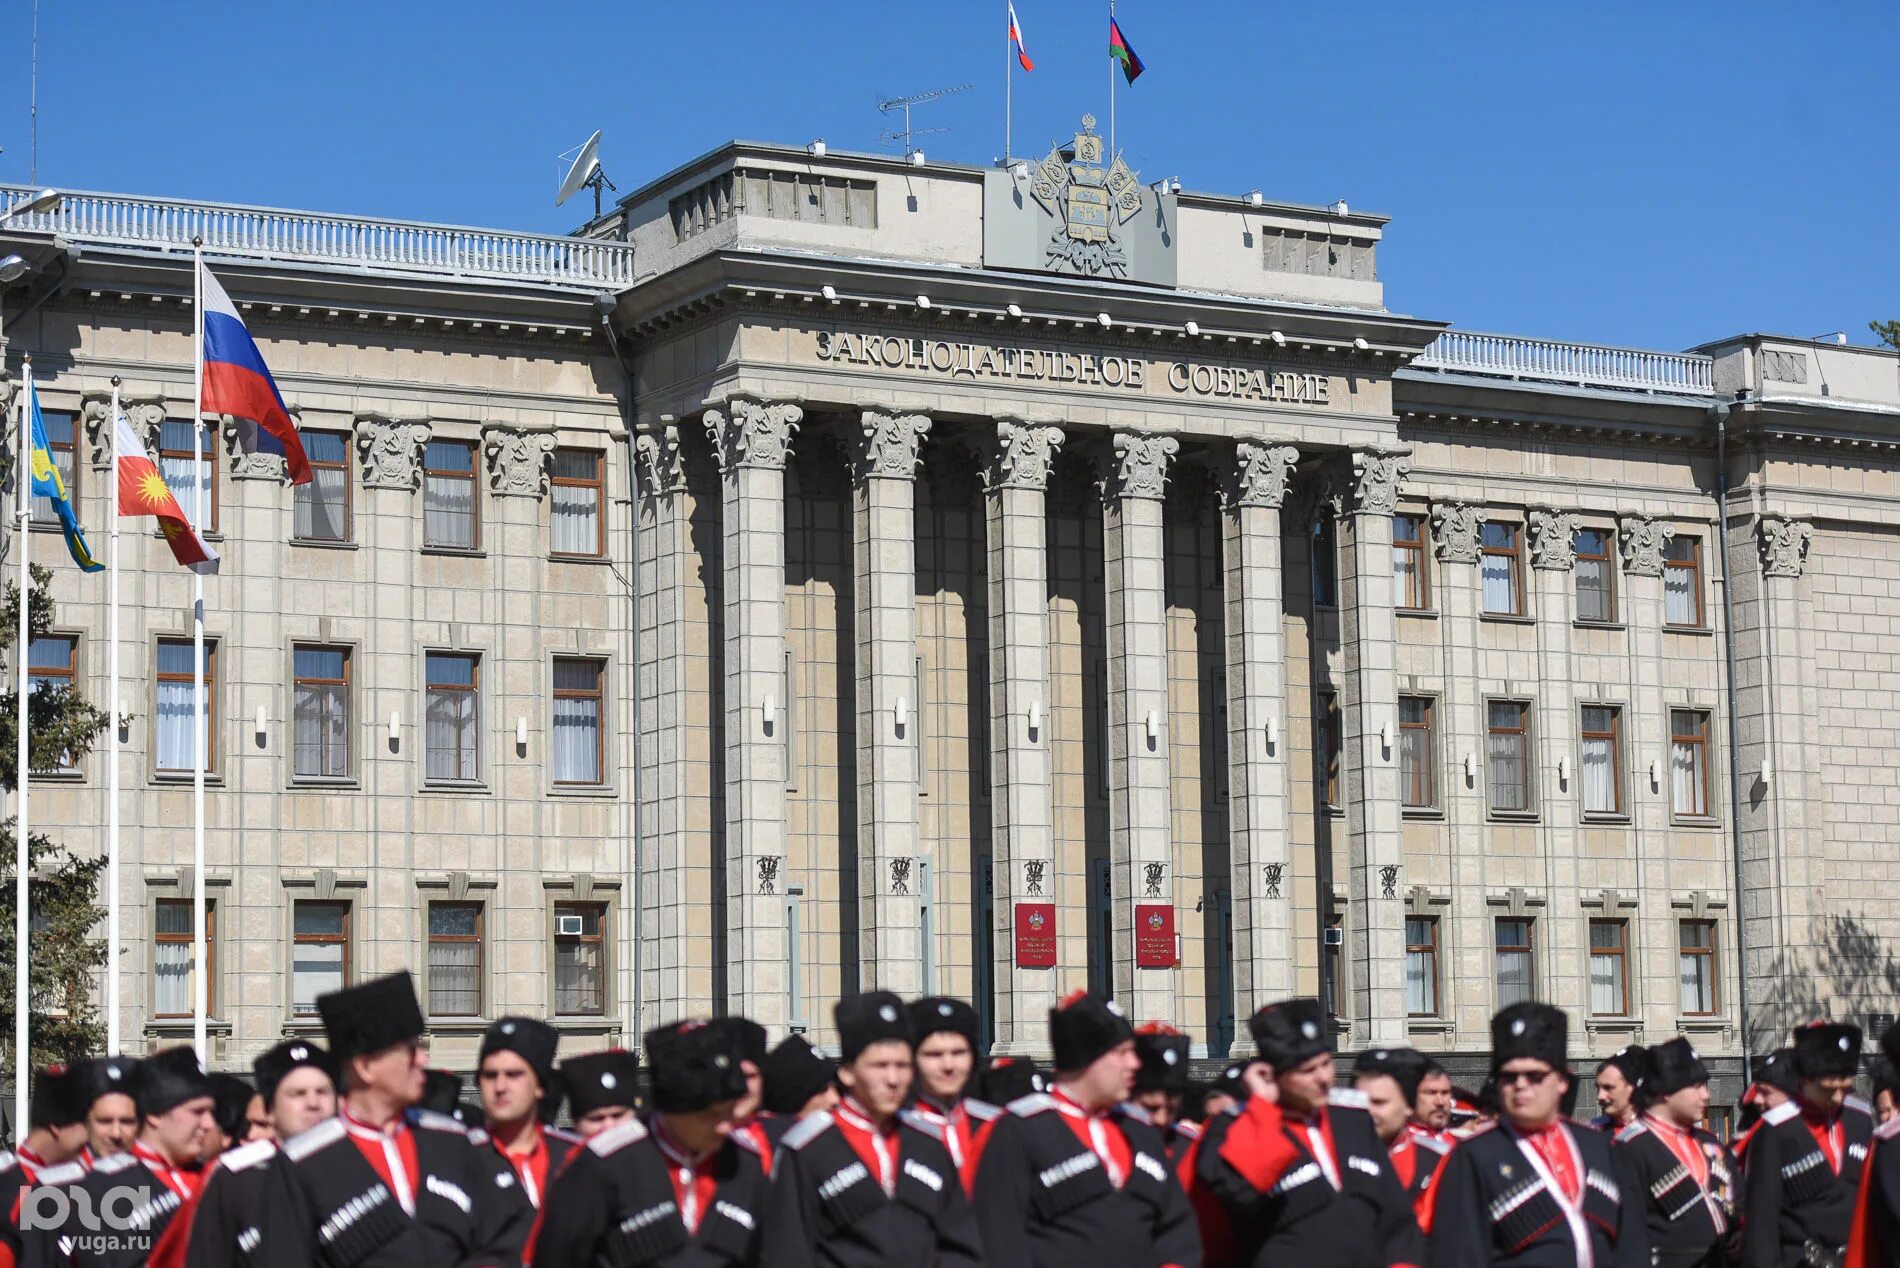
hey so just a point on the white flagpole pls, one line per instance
(1009, 80)
(23, 476)
(112, 738)
(200, 741)
(1114, 67)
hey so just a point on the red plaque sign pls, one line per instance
(1035, 935)
(1154, 936)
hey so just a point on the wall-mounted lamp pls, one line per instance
(1015, 310)
(1279, 340)
(1104, 320)
(829, 292)
(1273, 731)
(1471, 768)
(521, 731)
(1194, 330)
(1154, 727)
(923, 301)
(1360, 344)
(1035, 718)
(771, 712)
(901, 713)
(395, 726)
(263, 732)
(1385, 736)
(1655, 776)
(1563, 770)
(1767, 772)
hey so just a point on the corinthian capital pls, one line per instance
(662, 460)
(1644, 541)
(1021, 455)
(391, 451)
(888, 445)
(1258, 474)
(1553, 540)
(518, 461)
(1376, 477)
(253, 466)
(1455, 528)
(1784, 545)
(749, 433)
(1141, 465)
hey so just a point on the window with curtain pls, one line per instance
(1508, 754)
(321, 724)
(452, 717)
(1501, 569)
(1415, 752)
(450, 512)
(1336, 964)
(173, 734)
(1409, 578)
(1595, 575)
(319, 953)
(172, 981)
(1421, 966)
(1602, 736)
(580, 960)
(51, 663)
(455, 959)
(1682, 581)
(321, 509)
(579, 750)
(1330, 744)
(1689, 762)
(59, 437)
(190, 475)
(575, 523)
(1325, 543)
(1516, 972)
(1609, 968)
(1697, 942)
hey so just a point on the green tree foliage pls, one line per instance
(1888, 332)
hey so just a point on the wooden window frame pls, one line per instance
(1523, 729)
(1693, 566)
(600, 912)
(349, 494)
(1528, 948)
(474, 689)
(210, 460)
(474, 494)
(1431, 949)
(1699, 740)
(1334, 954)
(69, 447)
(1515, 554)
(1615, 736)
(1608, 559)
(599, 485)
(599, 696)
(1711, 964)
(173, 939)
(432, 939)
(211, 705)
(1420, 600)
(67, 677)
(1620, 953)
(297, 680)
(1428, 767)
(319, 939)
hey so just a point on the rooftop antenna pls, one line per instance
(584, 172)
(33, 107)
(905, 103)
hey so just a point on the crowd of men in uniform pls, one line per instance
(907, 1150)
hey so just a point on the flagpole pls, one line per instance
(1009, 77)
(1112, 68)
(200, 741)
(112, 738)
(23, 478)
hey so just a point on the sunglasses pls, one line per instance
(1530, 1078)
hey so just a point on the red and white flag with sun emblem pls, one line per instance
(143, 491)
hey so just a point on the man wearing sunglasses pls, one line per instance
(1536, 1191)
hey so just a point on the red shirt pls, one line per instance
(1103, 1138)
(1826, 1129)
(753, 1130)
(875, 1144)
(530, 1167)
(179, 1180)
(391, 1153)
(1684, 1145)
(954, 1125)
(1404, 1154)
(694, 1178)
(1559, 1155)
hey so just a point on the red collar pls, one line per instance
(854, 1114)
(369, 1131)
(930, 1105)
(675, 1152)
(1072, 1107)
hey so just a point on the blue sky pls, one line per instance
(1654, 174)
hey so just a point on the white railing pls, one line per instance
(1585, 364)
(265, 233)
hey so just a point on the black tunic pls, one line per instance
(1044, 1200)
(13, 1179)
(328, 1206)
(1875, 1239)
(1301, 1219)
(614, 1203)
(1796, 1208)
(828, 1211)
(1689, 1225)
(126, 1233)
(227, 1220)
(1495, 1207)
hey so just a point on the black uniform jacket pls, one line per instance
(328, 1206)
(14, 1177)
(1179, 1138)
(1796, 1208)
(127, 1232)
(227, 1220)
(828, 1210)
(1690, 1225)
(1428, 1156)
(1497, 1206)
(614, 1203)
(1875, 1239)
(1044, 1199)
(1302, 1219)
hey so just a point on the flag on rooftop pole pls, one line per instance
(237, 382)
(47, 484)
(1016, 39)
(1122, 51)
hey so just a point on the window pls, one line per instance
(1596, 576)
(322, 507)
(1328, 745)
(455, 959)
(319, 954)
(1516, 972)
(451, 519)
(1411, 584)
(177, 739)
(59, 437)
(452, 717)
(580, 963)
(1325, 543)
(1415, 751)
(1697, 940)
(173, 986)
(190, 473)
(1508, 756)
(1689, 762)
(575, 523)
(579, 698)
(1609, 968)
(1602, 759)
(50, 666)
(1336, 965)
(1421, 966)
(321, 743)
(1503, 569)
(1682, 582)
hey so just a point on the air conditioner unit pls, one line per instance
(569, 926)
(1335, 937)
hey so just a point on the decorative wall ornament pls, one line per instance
(1035, 874)
(900, 876)
(1259, 474)
(390, 452)
(1455, 530)
(146, 414)
(662, 460)
(1644, 541)
(1141, 465)
(888, 445)
(1376, 477)
(1152, 874)
(253, 466)
(1784, 545)
(1021, 455)
(768, 873)
(520, 462)
(1270, 876)
(1389, 880)
(1553, 540)
(749, 433)
(93, 408)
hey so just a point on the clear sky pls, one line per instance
(1656, 174)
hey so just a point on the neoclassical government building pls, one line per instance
(825, 571)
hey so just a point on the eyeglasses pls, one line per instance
(1530, 1078)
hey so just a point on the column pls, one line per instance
(1140, 800)
(884, 551)
(1253, 488)
(1558, 779)
(1022, 810)
(752, 440)
(1369, 719)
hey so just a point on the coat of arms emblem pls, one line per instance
(1090, 202)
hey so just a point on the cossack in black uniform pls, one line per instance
(1874, 1239)
(1686, 1179)
(1805, 1160)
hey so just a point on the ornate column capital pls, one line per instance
(253, 466)
(1259, 474)
(1643, 541)
(1553, 539)
(519, 461)
(1784, 545)
(753, 433)
(661, 459)
(1141, 465)
(888, 446)
(146, 414)
(1021, 455)
(94, 406)
(1376, 477)
(1455, 530)
(390, 450)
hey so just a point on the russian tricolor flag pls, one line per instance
(236, 382)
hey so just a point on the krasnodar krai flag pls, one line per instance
(143, 491)
(47, 484)
(1016, 38)
(236, 382)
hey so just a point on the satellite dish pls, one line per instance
(581, 170)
